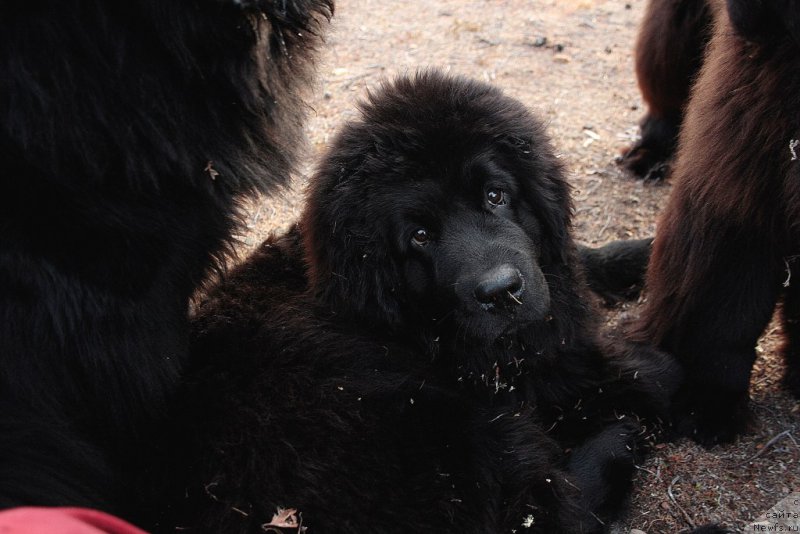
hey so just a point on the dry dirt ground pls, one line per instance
(571, 62)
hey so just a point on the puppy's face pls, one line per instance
(444, 206)
(466, 246)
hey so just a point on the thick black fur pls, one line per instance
(355, 371)
(616, 270)
(725, 254)
(128, 133)
(765, 20)
(669, 52)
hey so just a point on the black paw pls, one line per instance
(616, 270)
(645, 163)
(649, 157)
(619, 443)
(711, 424)
(602, 467)
(659, 171)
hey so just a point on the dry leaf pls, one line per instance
(284, 518)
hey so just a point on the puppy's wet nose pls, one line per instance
(503, 283)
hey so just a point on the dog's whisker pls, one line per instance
(515, 299)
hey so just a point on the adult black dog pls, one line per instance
(128, 133)
(418, 355)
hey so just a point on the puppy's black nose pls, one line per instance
(503, 283)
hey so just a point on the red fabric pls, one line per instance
(62, 521)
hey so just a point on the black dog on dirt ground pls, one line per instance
(728, 239)
(419, 354)
(128, 134)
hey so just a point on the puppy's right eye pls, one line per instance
(420, 237)
(496, 196)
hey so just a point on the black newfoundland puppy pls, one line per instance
(128, 134)
(418, 355)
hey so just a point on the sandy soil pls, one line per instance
(571, 62)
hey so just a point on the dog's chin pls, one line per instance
(485, 329)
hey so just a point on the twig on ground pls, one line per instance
(768, 445)
(672, 498)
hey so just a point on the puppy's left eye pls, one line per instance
(496, 196)
(420, 237)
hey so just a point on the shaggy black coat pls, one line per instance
(418, 355)
(727, 243)
(616, 271)
(128, 133)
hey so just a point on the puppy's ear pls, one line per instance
(532, 160)
(350, 263)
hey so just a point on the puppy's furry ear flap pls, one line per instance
(541, 176)
(350, 266)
